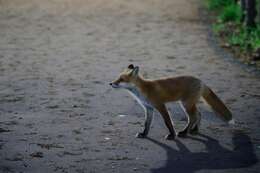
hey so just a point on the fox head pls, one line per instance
(126, 77)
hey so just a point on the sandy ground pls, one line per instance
(58, 113)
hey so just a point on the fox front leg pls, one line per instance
(147, 124)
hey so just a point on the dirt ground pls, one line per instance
(58, 113)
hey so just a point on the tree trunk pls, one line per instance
(250, 13)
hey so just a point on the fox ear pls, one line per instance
(131, 66)
(135, 71)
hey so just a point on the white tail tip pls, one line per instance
(231, 122)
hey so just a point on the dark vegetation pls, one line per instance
(237, 22)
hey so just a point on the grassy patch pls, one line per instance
(229, 27)
(218, 4)
(247, 40)
(231, 12)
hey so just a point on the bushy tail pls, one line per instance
(217, 105)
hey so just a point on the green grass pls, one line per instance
(228, 25)
(231, 12)
(239, 35)
(254, 38)
(219, 27)
(218, 4)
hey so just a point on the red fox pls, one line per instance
(153, 94)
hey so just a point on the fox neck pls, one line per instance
(139, 82)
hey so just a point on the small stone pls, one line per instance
(37, 154)
(53, 107)
(121, 115)
(226, 45)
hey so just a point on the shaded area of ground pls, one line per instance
(58, 113)
(216, 157)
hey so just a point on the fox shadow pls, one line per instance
(215, 157)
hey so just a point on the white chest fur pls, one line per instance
(139, 97)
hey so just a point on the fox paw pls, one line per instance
(140, 135)
(182, 134)
(170, 136)
(194, 131)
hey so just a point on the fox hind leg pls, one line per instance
(192, 113)
(195, 129)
